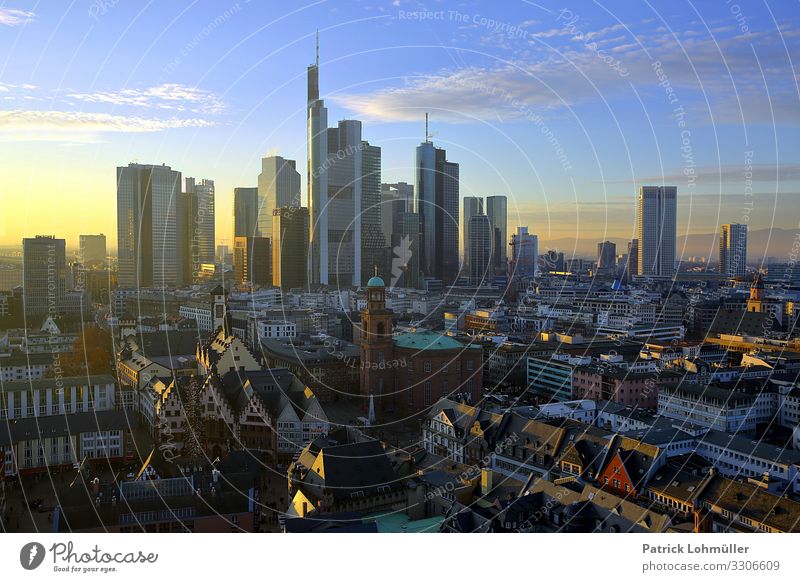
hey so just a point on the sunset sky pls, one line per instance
(566, 111)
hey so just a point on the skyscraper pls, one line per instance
(524, 253)
(373, 242)
(497, 211)
(657, 227)
(148, 225)
(278, 187)
(92, 248)
(290, 247)
(733, 250)
(473, 205)
(606, 256)
(436, 191)
(44, 274)
(395, 199)
(481, 249)
(245, 211)
(632, 265)
(201, 228)
(342, 170)
(252, 261)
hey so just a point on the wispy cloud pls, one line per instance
(79, 127)
(15, 17)
(169, 96)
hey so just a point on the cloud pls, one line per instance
(80, 127)
(14, 17)
(168, 96)
(710, 175)
(711, 74)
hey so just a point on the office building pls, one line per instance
(373, 242)
(201, 225)
(480, 250)
(657, 227)
(290, 228)
(497, 211)
(44, 272)
(524, 253)
(436, 201)
(632, 264)
(92, 248)
(252, 261)
(606, 256)
(148, 226)
(733, 250)
(278, 187)
(245, 212)
(473, 205)
(342, 169)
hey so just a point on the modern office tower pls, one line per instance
(632, 266)
(436, 202)
(657, 229)
(337, 160)
(203, 216)
(290, 226)
(606, 256)
(481, 248)
(148, 225)
(473, 205)
(44, 274)
(278, 186)
(524, 253)
(252, 261)
(497, 211)
(395, 200)
(92, 248)
(733, 250)
(373, 242)
(245, 212)
(405, 252)
(317, 137)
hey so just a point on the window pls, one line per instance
(426, 396)
(427, 367)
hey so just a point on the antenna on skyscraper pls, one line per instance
(427, 135)
(317, 47)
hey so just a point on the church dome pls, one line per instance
(376, 282)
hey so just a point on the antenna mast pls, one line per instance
(427, 135)
(317, 47)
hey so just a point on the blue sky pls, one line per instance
(566, 107)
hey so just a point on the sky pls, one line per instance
(565, 107)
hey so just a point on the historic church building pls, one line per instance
(407, 373)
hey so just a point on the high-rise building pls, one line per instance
(92, 248)
(373, 242)
(252, 261)
(497, 211)
(436, 201)
(278, 187)
(148, 224)
(44, 274)
(473, 205)
(201, 227)
(632, 265)
(606, 256)
(245, 212)
(481, 249)
(395, 200)
(524, 253)
(657, 228)
(733, 250)
(338, 162)
(290, 226)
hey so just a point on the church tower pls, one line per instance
(377, 349)
(756, 301)
(219, 309)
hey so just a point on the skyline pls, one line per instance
(176, 109)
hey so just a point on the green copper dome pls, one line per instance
(376, 282)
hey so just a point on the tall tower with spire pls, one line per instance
(317, 138)
(377, 348)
